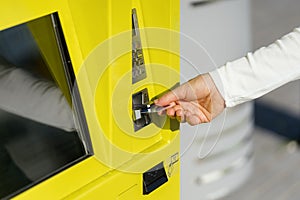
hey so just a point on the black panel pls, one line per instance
(154, 178)
(277, 121)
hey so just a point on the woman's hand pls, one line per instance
(196, 101)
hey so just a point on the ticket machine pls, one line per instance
(110, 60)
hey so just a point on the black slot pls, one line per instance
(154, 178)
(140, 100)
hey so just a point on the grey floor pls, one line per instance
(276, 174)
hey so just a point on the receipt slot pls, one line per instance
(109, 59)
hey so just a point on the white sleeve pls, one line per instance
(260, 72)
(29, 97)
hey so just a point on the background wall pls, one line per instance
(276, 165)
(272, 19)
(216, 157)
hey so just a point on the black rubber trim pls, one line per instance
(277, 120)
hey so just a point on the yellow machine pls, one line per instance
(111, 59)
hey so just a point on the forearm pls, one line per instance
(260, 72)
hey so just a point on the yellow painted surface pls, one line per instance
(98, 36)
(49, 52)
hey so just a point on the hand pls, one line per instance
(196, 101)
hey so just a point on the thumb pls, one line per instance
(166, 99)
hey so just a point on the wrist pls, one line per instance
(216, 98)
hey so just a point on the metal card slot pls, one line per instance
(140, 100)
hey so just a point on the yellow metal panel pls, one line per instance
(107, 74)
(126, 186)
(90, 22)
(98, 35)
(19, 11)
(49, 52)
(64, 184)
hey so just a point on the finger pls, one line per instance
(193, 120)
(201, 118)
(180, 116)
(166, 99)
(171, 112)
(163, 111)
(180, 119)
(179, 113)
(177, 107)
